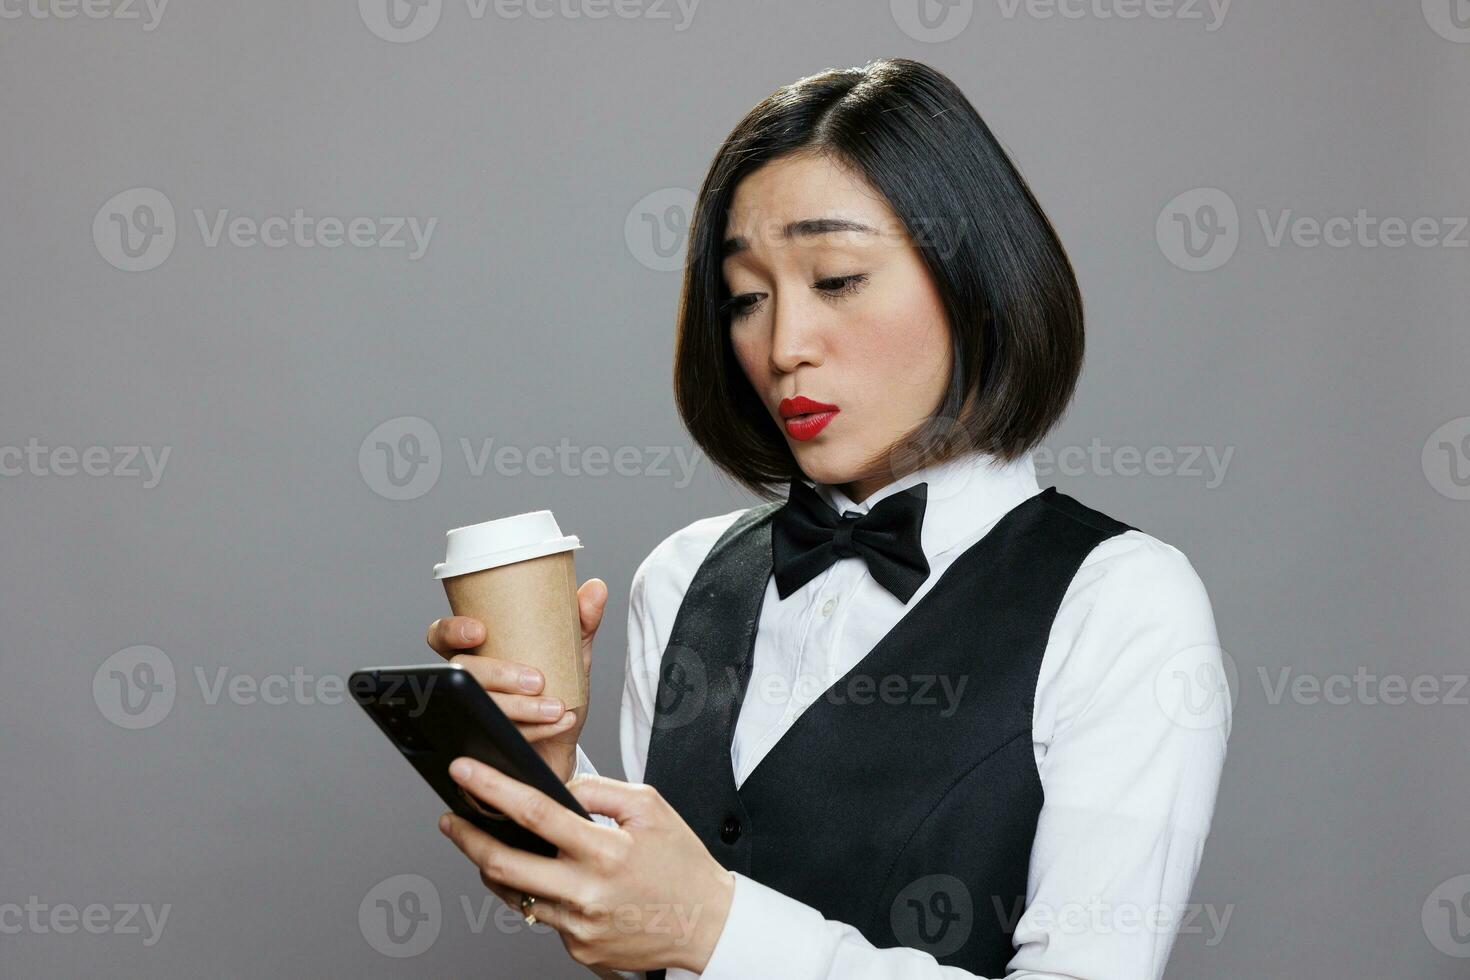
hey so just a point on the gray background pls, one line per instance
(1329, 545)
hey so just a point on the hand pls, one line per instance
(552, 733)
(643, 895)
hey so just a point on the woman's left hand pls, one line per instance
(644, 895)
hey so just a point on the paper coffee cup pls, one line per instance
(516, 575)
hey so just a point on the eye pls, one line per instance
(738, 307)
(841, 285)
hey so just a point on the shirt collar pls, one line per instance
(966, 493)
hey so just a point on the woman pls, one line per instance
(918, 717)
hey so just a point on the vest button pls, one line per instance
(730, 830)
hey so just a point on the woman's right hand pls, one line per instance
(515, 687)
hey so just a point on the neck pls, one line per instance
(858, 490)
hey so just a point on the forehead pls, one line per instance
(803, 187)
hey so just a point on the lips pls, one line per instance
(805, 418)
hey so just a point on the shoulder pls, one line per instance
(1138, 572)
(1136, 623)
(662, 578)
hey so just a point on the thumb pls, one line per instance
(624, 802)
(591, 601)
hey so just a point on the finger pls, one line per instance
(622, 801)
(538, 733)
(495, 674)
(526, 710)
(551, 912)
(507, 895)
(455, 633)
(510, 866)
(530, 808)
(591, 601)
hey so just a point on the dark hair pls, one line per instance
(1008, 290)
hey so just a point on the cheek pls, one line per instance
(904, 349)
(751, 353)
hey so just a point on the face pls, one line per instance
(831, 305)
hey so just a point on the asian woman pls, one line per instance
(912, 715)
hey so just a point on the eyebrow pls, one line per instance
(808, 228)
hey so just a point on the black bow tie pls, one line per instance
(807, 536)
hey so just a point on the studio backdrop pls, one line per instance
(289, 289)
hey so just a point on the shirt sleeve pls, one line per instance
(585, 767)
(1131, 765)
(640, 676)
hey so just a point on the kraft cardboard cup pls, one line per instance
(516, 575)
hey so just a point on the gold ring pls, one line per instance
(528, 900)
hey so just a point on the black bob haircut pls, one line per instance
(1008, 290)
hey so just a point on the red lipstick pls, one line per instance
(805, 418)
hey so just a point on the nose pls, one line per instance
(796, 335)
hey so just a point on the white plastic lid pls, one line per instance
(476, 547)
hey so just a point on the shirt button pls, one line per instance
(730, 830)
(828, 606)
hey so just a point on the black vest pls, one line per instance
(898, 805)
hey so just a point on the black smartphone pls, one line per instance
(435, 713)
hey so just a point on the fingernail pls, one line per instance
(469, 632)
(530, 679)
(461, 769)
(551, 709)
(444, 824)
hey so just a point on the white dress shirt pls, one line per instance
(1129, 735)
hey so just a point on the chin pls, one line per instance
(825, 463)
